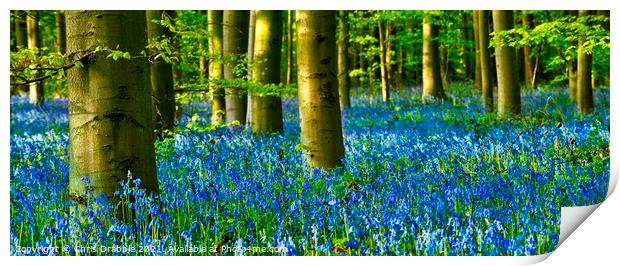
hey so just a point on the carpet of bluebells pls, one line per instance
(418, 178)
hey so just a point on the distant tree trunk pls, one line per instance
(319, 109)
(203, 63)
(267, 109)
(528, 61)
(251, 37)
(444, 64)
(61, 35)
(485, 60)
(343, 64)
(385, 90)
(508, 91)
(571, 69)
(585, 101)
(216, 70)
(36, 93)
(21, 32)
(236, 24)
(477, 69)
(432, 86)
(21, 41)
(110, 121)
(468, 58)
(162, 83)
(400, 69)
(177, 73)
(289, 51)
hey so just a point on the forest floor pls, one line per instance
(418, 179)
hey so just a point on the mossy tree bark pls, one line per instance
(485, 60)
(110, 115)
(162, 83)
(343, 64)
(585, 101)
(36, 93)
(216, 69)
(235, 47)
(267, 109)
(432, 86)
(508, 91)
(319, 107)
(477, 69)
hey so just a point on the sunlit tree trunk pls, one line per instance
(61, 35)
(585, 101)
(162, 84)
(508, 91)
(251, 39)
(203, 63)
(110, 120)
(235, 48)
(385, 90)
(34, 42)
(216, 70)
(432, 86)
(319, 108)
(21, 32)
(267, 109)
(485, 60)
(477, 69)
(343, 64)
(289, 51)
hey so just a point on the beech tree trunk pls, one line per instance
(110, 115)
(267, 109)
(432, 86)
(585, 101)
(319, 108)
(216, 69)
(528, 61)
(485, 60)
(343, 64)
(508, 91)
(61, 35)
(162, 83)
(235, 48)
(289, 51)
(36, 93)
(477, 69)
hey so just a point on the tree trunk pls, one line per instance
(21, 32)
(216, 70)
(485, 60)
(289, 51)
(251, 37)
(528, 61)
(432, 86)
(36, 93)
(319, 109)
(110, 121)
(477, 69)
(343, 65)
(585, 101)
(203, 63)
(236, 24)
(468, 58)
(267, 109)
(162, 83)
(385, 90)
(508, 91)
(61, 35)
(571, 69)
